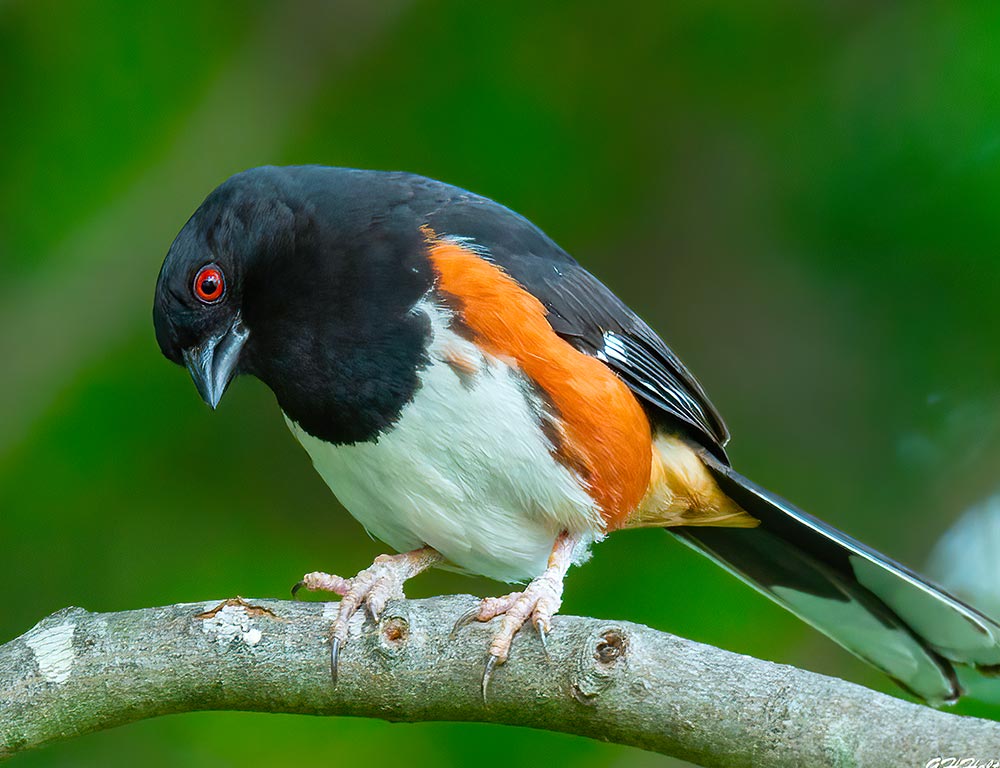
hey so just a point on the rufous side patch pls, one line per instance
(604, 433)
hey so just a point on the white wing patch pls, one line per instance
(466, 468)
(659, 377)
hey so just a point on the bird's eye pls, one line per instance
(209, 284)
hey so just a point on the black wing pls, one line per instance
(583, 311)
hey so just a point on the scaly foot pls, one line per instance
(539, 601)
(373, 587)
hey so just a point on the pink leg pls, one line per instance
(539, 601)
(372, 587)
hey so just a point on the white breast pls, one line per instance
(466, 468)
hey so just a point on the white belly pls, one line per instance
(465, 469)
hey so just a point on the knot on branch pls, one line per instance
(602, 660)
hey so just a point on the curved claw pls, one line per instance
(464, 620)
(334, 658)
(491, 664)
(296, 588)
(543, 635)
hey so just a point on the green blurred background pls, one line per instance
(802, 198)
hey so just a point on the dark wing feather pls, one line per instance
(586, 313)
(632, 349)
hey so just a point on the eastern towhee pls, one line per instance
(475, 398)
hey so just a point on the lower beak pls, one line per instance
(212, 364)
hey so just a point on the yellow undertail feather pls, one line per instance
(682, 492)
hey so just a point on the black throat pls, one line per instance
(346, 391)
(334, 328)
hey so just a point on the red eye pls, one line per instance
(209, 284)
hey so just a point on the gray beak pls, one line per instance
(212, 364)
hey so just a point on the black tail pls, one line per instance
(876, 608)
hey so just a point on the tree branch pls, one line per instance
(77, 672)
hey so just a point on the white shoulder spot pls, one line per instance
(469, 244)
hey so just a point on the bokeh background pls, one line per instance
(802, 198)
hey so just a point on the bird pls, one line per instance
(478, 400)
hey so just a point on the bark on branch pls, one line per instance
(77, 672)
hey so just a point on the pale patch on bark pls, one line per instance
(232, 622)
(53, 650)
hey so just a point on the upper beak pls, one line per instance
(212, 364)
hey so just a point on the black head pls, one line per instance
(305, 277)
(198, 308)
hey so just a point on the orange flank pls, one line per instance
(600, 430)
